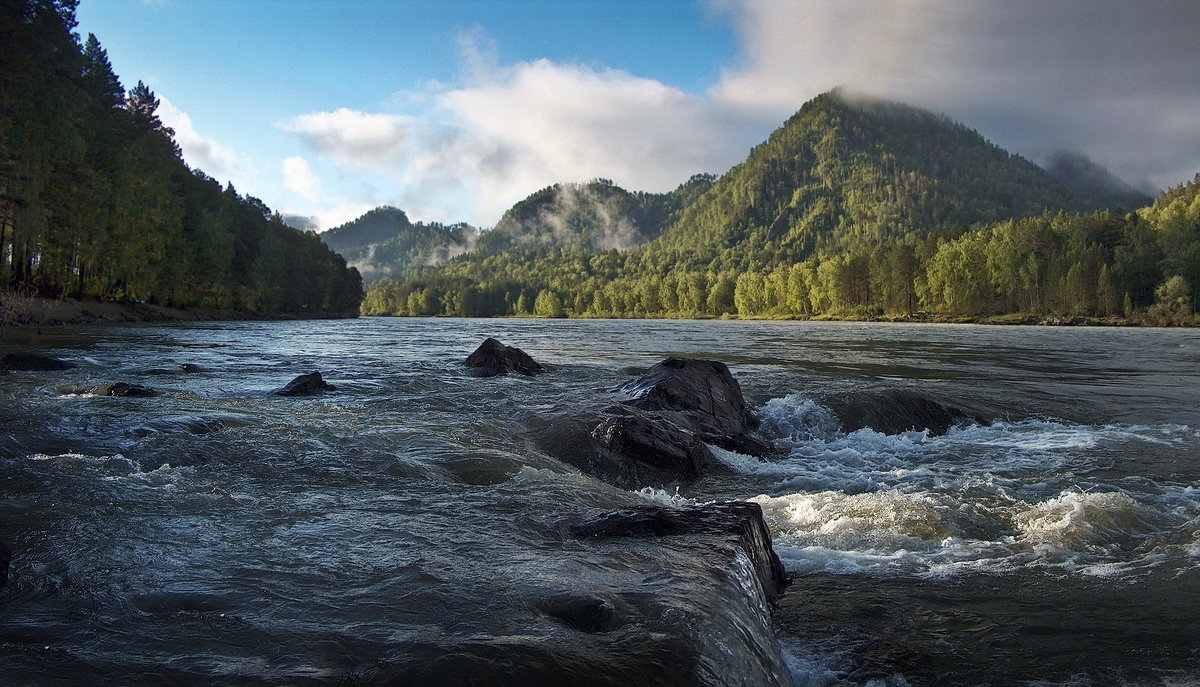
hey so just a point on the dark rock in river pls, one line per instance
(646, 596)
(667, 450)
(740, 522)
(892, 411)
(5, 558)
(494, 358)
(122, 389)
(190, 367)
(700, 396)
(305, 385)
(33, 361)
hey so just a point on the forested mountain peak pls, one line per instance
(385, 243)
(846, 170)
(1093, 181)
(594, 216)
(376, 226)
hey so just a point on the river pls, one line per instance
(217, 534)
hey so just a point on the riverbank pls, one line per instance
(28, 311)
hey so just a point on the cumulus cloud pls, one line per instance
(299, 178)
(352, 137)
(216, 159)
(1110, 78)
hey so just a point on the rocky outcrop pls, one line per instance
(700, 396)
(660, 431)
(494, 358)
(893, 411)
(738, 522)
(306, 385)
(33, 362)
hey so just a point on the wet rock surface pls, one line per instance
(493, 358)
(658, 445)
(700, 396)
(738, 522)
(306, 385)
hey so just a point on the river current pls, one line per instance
(217, 534)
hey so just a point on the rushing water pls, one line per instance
(218, 534)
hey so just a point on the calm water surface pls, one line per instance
(217, 534)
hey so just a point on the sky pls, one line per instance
(453, 110)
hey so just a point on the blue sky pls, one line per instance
(455, 109)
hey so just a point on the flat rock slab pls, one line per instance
(306, 385)
(494, 358)
(739, 521)
(34, 362)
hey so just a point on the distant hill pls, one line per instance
(385, 243)
(594, 216)
(1093, 182)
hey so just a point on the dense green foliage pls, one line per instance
(384, 243)
(851, 209)
(96, 202)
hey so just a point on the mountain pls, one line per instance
(1093, 181)
(853, 208)
(385, 243)
(595, 216)
(847, 170)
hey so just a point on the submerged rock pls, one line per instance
(190, 368)
(112, 389)
(494, 358)
(305, 385)
(893, 411)
(700, 396)
(33, 362)
(5, 558)
(739, 522)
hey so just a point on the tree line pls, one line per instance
(97, 203)
(1121, 266)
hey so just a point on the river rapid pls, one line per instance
(217, 534)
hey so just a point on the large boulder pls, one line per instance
(306, 385)
(33, 361)
(700, 396)
(494, 358)
(737, 522)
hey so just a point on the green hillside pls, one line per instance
(97, 203)
(843, 172)
(853, 208)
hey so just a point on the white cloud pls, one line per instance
(299, 178)
(216, 159)
(354, 138)
(1035, 77)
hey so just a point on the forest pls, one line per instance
(96, 202)
(859, 210)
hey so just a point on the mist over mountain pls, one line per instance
(1093, 181)
(385, 243)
